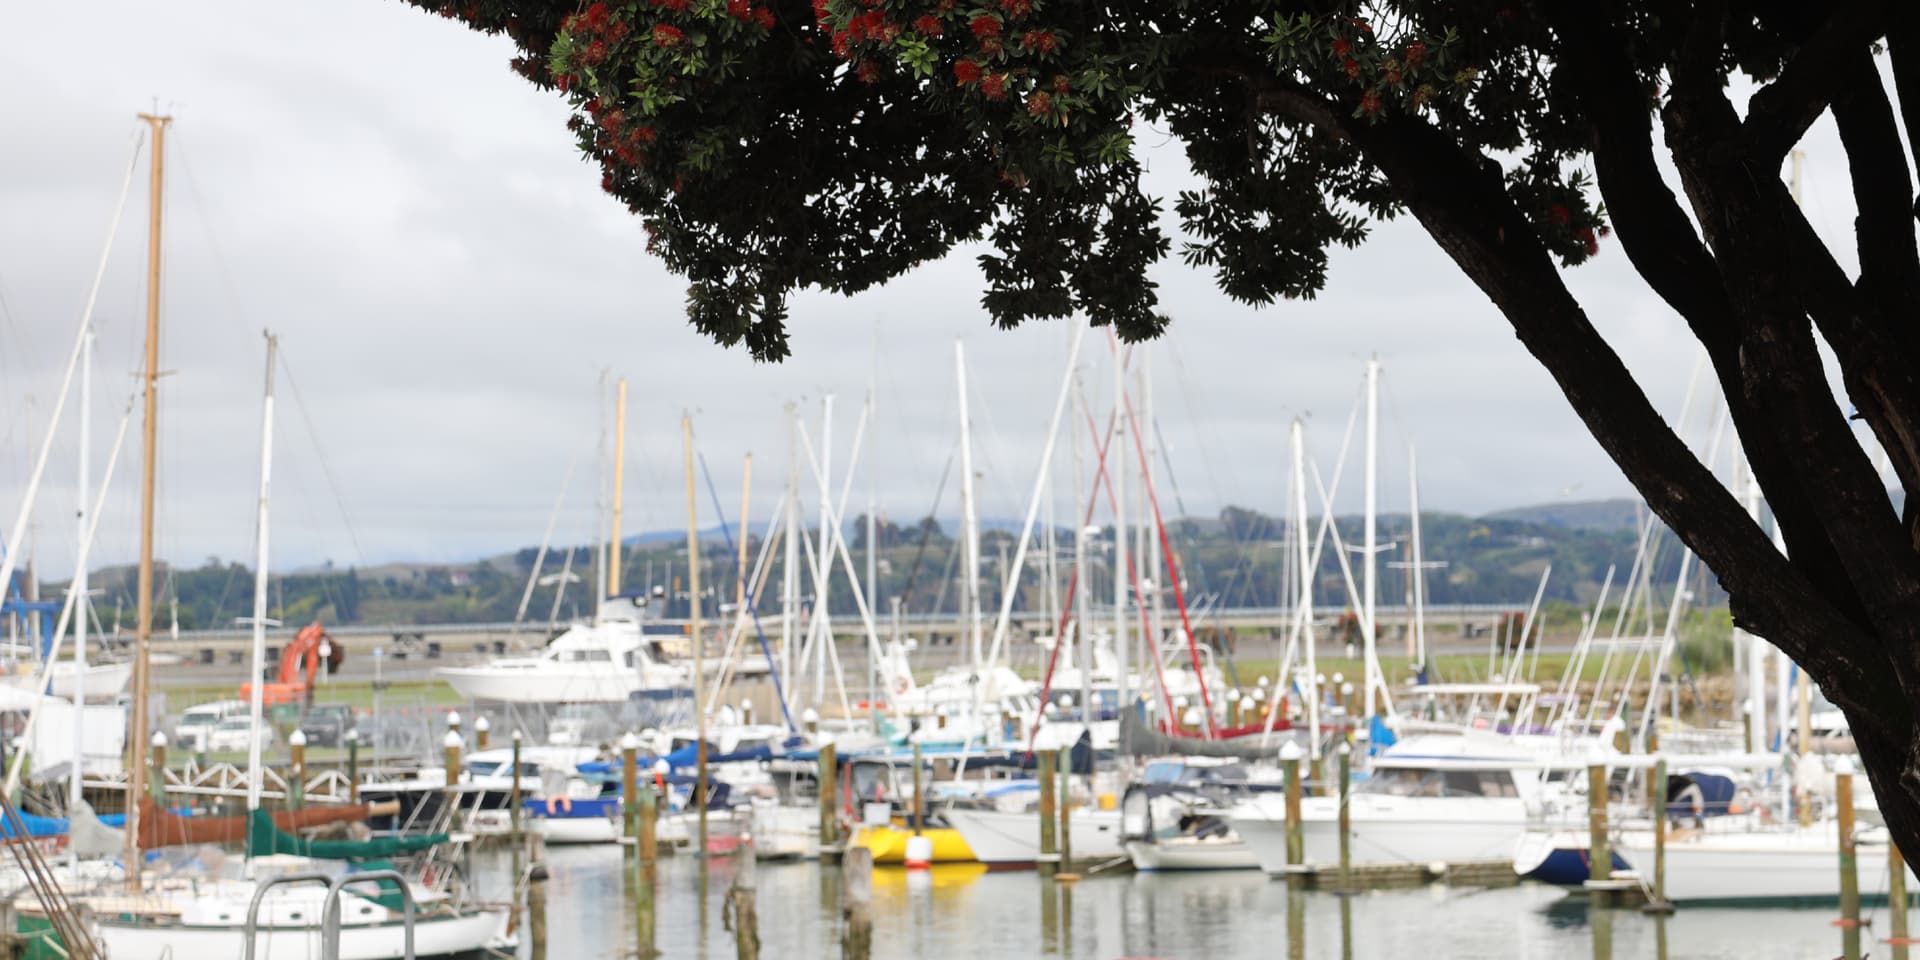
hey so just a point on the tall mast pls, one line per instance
(1370, 545)
(790, 566)
(616, 554)
(970, 510)
(1303, 612)
(821, 627)
(143, 625)
(1417, 636)
(80, 572)
(873, 507)
(256, 700)
(693, 593)
(1083, 587)
(1118, 472)
(1156, 568)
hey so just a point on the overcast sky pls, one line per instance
(452, 291)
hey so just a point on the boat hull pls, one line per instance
(1001, 839)
(1759, 868)
(889, 844)
(465, 935)
(1404, 830)
(541, 686)
(1189, 853)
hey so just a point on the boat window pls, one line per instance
(1224, 772)
(586, 656)
(1162, 773)
(627, 658)
(750, 744)
(484, 768)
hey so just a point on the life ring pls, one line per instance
(559, 804)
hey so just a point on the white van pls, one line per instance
(190, 731)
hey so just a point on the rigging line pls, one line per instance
(1173, 570)
(773, 667)
(926, 534)
(326, 462)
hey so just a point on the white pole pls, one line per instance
(80, 576)
(255, 705)
(1368, 622)
(1156, 563)
(971, 515)
(1297, 436)
(1418, 569)
(823, 588)
(1117, 471)
(1082, 495)
(790, 566)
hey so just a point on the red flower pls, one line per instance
(596, 52)
(1416, 54)
(843, 45)
(985, 26)
(1061, 84)
(1422, 93)
(763, 17)
(1585, 235)
(644, 134)
(1041, 41)
(739, 9)
(929, 25)
(613, 120)
(617, 31)
(1341, 47)
(820, 10)
(677, 6)
(965, 72)
(1352, 67)
(1370, 103)
(1559, 213)
(994, 85)
(597, 17)
(1016, 9)
(606, 181)
(1393, 75)
(868, 72)
(1362, 25)
(666, 35)
(1039, 104)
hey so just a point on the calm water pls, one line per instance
(962, 913)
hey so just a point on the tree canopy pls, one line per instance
(769, 146)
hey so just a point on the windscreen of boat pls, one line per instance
(1162, 772)
(585, 656)
(1417, 782)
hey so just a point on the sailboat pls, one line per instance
(186, 915)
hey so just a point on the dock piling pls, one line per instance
(1065, 801)
(1599, 855)
(1049, 853)
(1345, 752)
(857, 885)
(630, 785)
(353, 770)
(1897, 900)
(743, 913)
(1657, 799)
(1849, 868)
(1290, 762)
(829, 814)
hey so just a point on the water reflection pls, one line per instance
(963, 913)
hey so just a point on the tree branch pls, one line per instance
(1780, 113)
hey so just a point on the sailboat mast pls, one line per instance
(80, 571)
(617, 554)
(256, 704)
(790, 565)
(693, 595)
(1370, 536)
(1303, 611)
(1417, 636)
(971, 511)
(143, 625)
(1118, 472)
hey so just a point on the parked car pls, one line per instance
(231, 734)
(326, 724)
(190, 731)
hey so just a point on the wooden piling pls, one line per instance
(649, 820)
(829, 806)
(743, 913)
(1345, 752)
(630, 786)
(1849, 868)
(353, 771)
(481, 733)
(1290, 760)
(1599, 855)
(1049, 852)
(645, 921)
(514, 800)
(537, 914)
(1897, 899)
(1657, 795)
(856, 884)
(1065, 801)
(919, 812)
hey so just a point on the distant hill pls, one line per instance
(1619, 514)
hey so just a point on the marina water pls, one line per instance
(965, 913)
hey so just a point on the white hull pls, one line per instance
(462, 935)
(580, 829)
(783, 832)
(554, 683)
(104, 681)
(1188, 853)
(1385, 829)
(1010, 839)
(1797, 865)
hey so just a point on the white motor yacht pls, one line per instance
(606, 661)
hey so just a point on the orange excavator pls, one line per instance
(299, 662)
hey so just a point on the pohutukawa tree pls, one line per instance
(769, 145)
